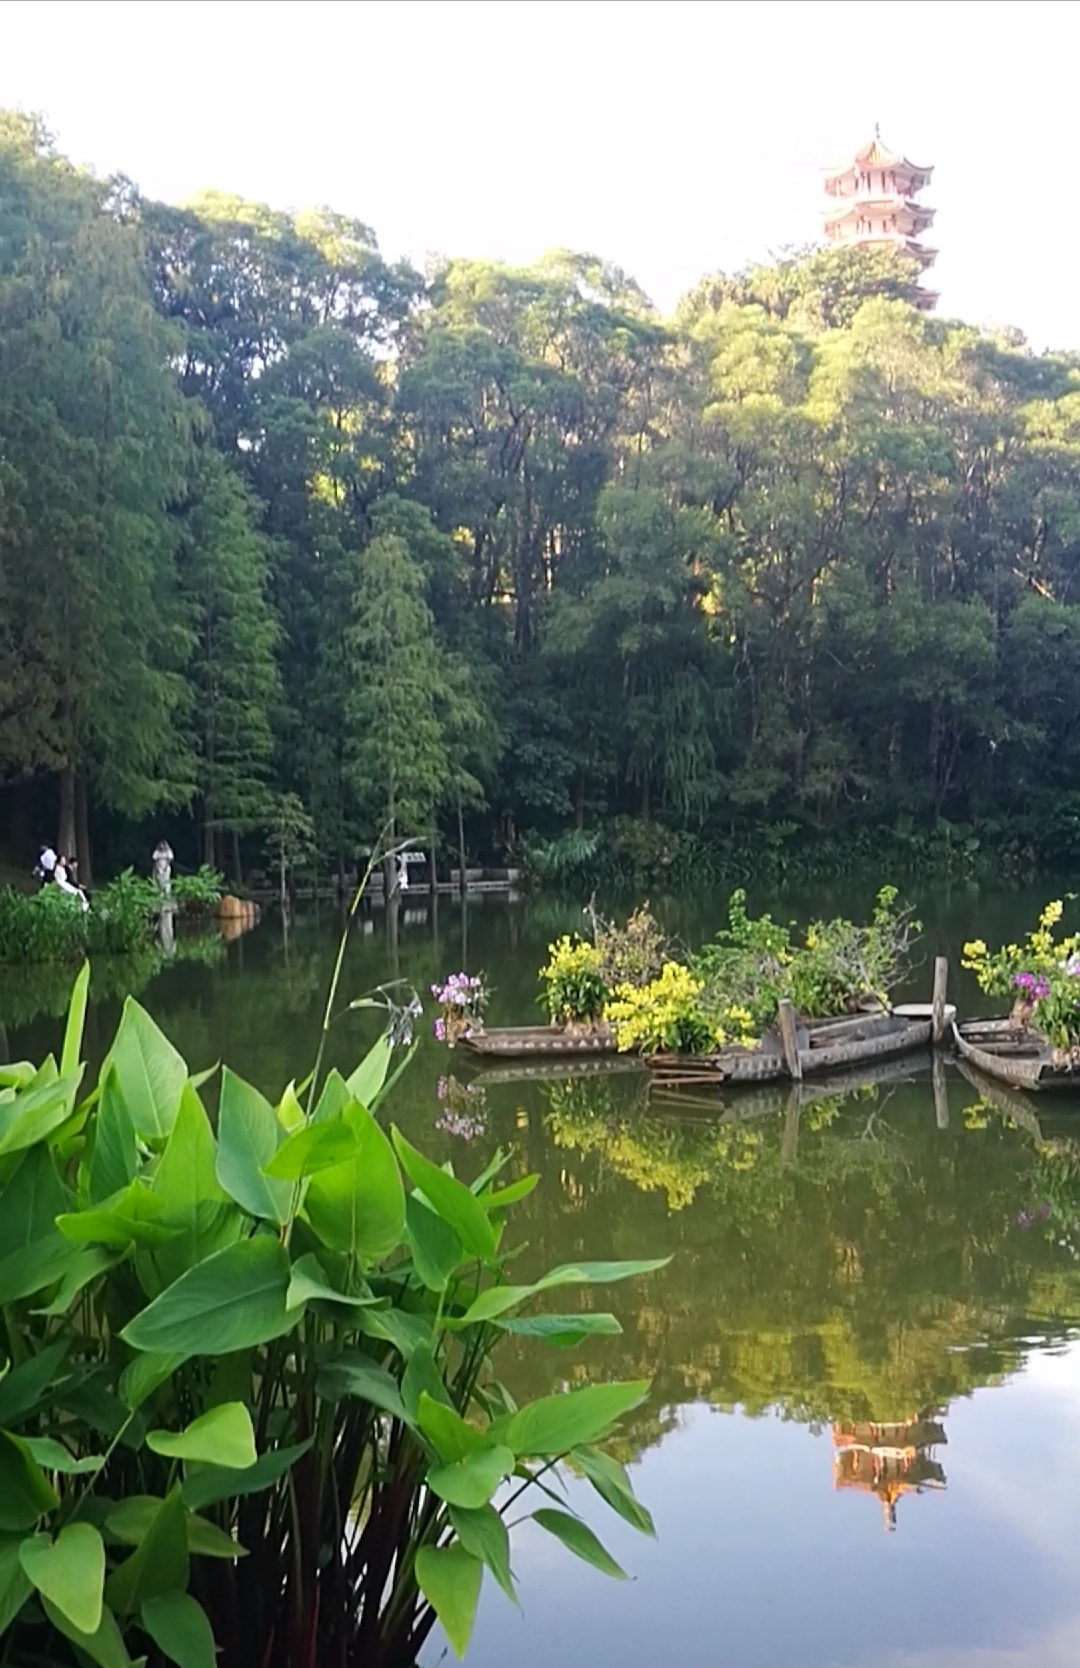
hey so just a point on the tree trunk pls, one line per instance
(209, 842)
(461, 845)
(65, 834)
(237, 872)
(82, 830)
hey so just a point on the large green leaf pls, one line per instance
(334, 1097)
(69, 1572)
(473, 1480)
(15, 1589)
(105, 1646)
(26, 1494)
(29, 1270)
(34, 1114)
(482, 1531)
(249, 1135)
(436, 1249)
(147, 1373)
(84, 1268)
(579, 1538)
(612, 1484)
(351, 1376)
(555, 1424)
(449, 1434)
(598, 1274)
(309, 1283)
(71, 1052)
(366, 1082)
(564, 1330)
(134, 1216)
(498, 1198)
(408, 1333)
(178, 1625)
(489, 1304)
(359, 1207)
(53, 1456)
(233, 1300)
(129, 1522)
(211, 1483)
(450, 1199)
(193, 1202)
(30, 1383)
(113, 1158)
(150, 1074)
(224, 1436)
(423, 1376)
(314, 1147)
(31, 1198)
(159, 1564)
(449, 1578)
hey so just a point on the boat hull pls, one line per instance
(1021, 1067)
(524, 1042)
(823, 1046)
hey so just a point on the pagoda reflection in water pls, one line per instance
(889, 1460)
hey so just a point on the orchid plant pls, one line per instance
(462, 998)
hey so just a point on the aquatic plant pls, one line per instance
(574, 991)
(250, 1413)
(462, 998)
(1042, 975)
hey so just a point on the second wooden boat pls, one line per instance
(1012, 1054)
(822, 1045)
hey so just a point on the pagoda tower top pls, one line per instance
(872, 202)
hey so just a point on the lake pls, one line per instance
(862, 1447)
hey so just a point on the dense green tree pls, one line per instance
(223, 565)
(502, 554)
(94, 436)
(396, 759)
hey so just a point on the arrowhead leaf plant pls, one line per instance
(248, 1413)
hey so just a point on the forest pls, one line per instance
(297, 542)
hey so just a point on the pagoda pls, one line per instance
(872, 201)
(889, 1460)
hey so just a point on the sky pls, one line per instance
(672, 137)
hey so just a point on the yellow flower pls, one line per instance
(1052, 913)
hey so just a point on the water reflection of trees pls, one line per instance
(878, 1266)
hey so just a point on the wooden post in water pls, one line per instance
(788, 1041)
(937, 1008)
(789, 1140)
(941, 1093)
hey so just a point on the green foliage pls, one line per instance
(573, 984)
(1042, 976)
(251, 1371)
(50, 926)
(785, 584)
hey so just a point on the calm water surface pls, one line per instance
(862, 1447)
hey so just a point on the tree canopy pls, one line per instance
(281, 517)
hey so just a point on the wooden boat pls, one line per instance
(520, 1042)
(1013, 1054)
(822, 1045)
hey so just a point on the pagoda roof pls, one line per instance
(876, 154)
(858, 208)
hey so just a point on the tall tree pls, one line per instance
(95, 445)
(396, 763)
(236, 688)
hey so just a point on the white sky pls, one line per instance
(673, 137)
